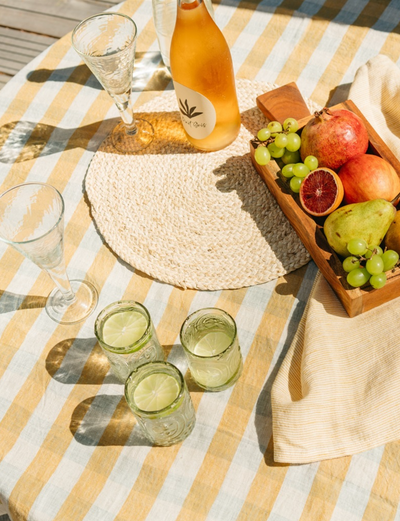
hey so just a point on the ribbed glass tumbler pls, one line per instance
(209, 339)
(127, 337)
(158, 397)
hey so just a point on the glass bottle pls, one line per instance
(204, 81)
(164, 16)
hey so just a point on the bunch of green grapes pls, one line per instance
(368, 264)
(278, 141)
(282, 143)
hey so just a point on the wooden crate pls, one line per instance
(276, 105)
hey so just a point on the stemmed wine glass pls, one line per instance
(107, 44)
(32, 221)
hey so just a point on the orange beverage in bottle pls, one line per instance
(204, 81)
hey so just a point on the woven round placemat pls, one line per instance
(188, 218)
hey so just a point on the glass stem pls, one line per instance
(60, 278)
(129, 121)
(125, 108)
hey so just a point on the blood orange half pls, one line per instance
(321, 192)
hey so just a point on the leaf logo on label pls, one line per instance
(197, 112)
(188, 112)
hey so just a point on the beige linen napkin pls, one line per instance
(337, 392)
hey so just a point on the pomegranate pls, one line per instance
(334, 137)
(366, 177)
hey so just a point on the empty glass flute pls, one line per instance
(107, 44)
(32, 221)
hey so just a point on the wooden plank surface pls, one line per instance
(28, 27)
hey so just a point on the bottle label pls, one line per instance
(197, 112)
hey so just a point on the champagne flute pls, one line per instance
(107, 44)
(32, 221)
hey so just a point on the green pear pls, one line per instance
(369, 220)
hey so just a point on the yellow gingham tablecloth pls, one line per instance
(69, 447)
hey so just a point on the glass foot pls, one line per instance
(85, 302)
(132, 143)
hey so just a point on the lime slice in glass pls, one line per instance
(155, 392)
(212, 344)
(124, 328)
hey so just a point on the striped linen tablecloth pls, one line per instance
(69, 446)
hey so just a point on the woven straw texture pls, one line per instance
(193, 219)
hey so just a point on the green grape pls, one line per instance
(358, 277)
(374, 265)
(287, 170)
(281, 140)
(291, 157)
(274, 127)
(300, 170)
(376, 250)
(390, 259)
(294, 142)
(378, 281)
(357, 246)
(291, 125)
(295, 184)
(262, 155)
(275, 151)
(350, 263)
(311, 162)
(263, 134)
